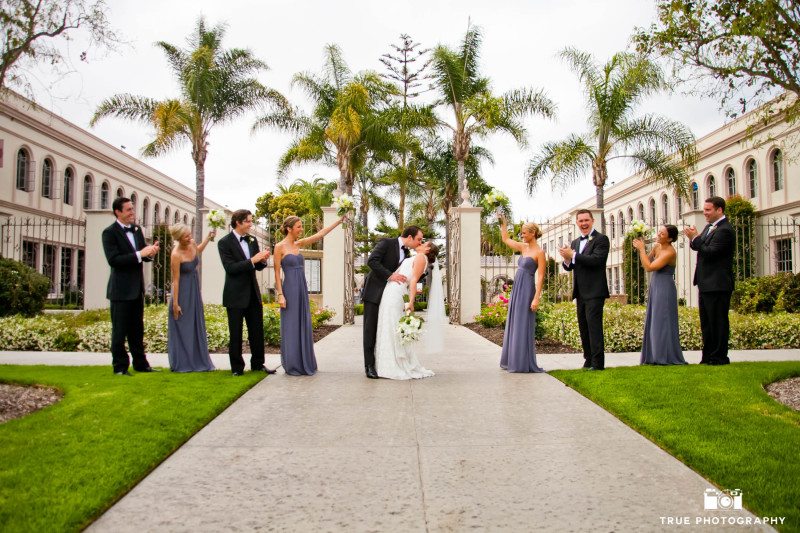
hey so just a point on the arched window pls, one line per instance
(166, 215)
(145, 213)
(613, 227)
(23, 169)
(641, 211)
(630, 215)
(105, 188)
(177, 217)
(134, 199)
(752, 178)
(777, 170)
(730, 177)
(664, 208)
(68, 185)
(47, 178)
(679, 206)
(653, 217)
(193, 234)
(621, 218)
(87, 192)
(120, 192)
(695, 195)
(185, 218)
(156, 214)
(712, 186)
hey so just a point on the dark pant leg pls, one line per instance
(594, 319)
(235, 317)
(370, 330)
(583, 327)
(717, 305)
(119, 330)
(255, 331)
(136, 334)
(705, 326)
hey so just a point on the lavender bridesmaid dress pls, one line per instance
(519, 347)
(661, 344)
(187, 342)
(297, 338)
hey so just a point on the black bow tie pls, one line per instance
(584, 237)
(128, 229)
(242, 239)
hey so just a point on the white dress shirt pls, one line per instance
(129, 236)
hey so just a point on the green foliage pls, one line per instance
(66, 464)
(359, 309)
(162, 267)
(264, 206)
(741, 215)
(623, 327)
(493, 315)
(765, 294)
(22, 289)
(634, 275)
(719, 421)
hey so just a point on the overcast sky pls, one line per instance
(520, 43)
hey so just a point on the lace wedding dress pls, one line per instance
(394, 360)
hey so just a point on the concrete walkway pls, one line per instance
(471, 448)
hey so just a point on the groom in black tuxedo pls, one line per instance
(714, 279)
(125, 249)
(241, 296)
(383, 261)
(586, 257)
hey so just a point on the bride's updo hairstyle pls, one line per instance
(533, 228)
(432, 254)
(289, 223)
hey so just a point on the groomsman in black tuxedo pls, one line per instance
(586, 257)
(125, 249)
(241, 296)
(714, 279)
(383, 261)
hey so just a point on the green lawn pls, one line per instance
(64, 465)
(717, 420)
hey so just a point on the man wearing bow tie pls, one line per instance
(241, 296)
(714, 279)
(586, 257)
(383, 261)
(125, 249)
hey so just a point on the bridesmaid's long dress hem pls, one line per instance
(297, 335)
(519, 345)
(187, 342)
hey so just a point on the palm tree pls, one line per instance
(661, 149)
(216, 85)
(476, 111)
(318, 192)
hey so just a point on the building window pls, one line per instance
(49, 264)
(156, 213)
(752, 176)
(134, 199)
(679, 206)
(120, 192)
(47, 178)
(30, 251)
(712, 186)
(641, 212)
(695, 196)
(630, 215)
(166, 215)
(66, 269)
(613, 227)
(87, 192)
(185, 218)
(616, 280)
(193, 231)
(653, 212)
(68, 178)
(665, 208)
(104, 190)
(81, 266)
(777, 170)
(609, 279)
(730, 177)
(783, 255)
(621, 218)
(23, 171)
(145, 213)
(176, 218)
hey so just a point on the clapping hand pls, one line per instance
(261, 256)
(150, 251)
(566, 252)
(690, 232)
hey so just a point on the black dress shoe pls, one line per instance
(587, 364)
(123, 373)
(237, 373)
(265, 370)
(372, 373)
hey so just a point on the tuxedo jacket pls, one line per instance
(589, 268)
(126, 281)
(383, 261)
(714, 270)
(240, 273)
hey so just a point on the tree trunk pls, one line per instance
(199, 201)
(600, 204)
(401, 217)
(461, 184)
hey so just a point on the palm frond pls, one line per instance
(335, 67)
(564, 162)
(126, 106)
(659, 133)
(657, 167)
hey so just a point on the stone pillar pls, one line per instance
(333, 267)
(469, 267)
(96, 267)
(212, 271)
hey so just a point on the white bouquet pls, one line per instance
(496, 201)
(343, 204)
(216, 220)
(640, 230)
(409, 328)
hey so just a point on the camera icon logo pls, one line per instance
(724, 500)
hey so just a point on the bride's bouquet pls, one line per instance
(640, 230)
(343, 204)
(409, 328)
(496, 201)
(216, 220)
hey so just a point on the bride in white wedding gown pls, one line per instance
(394, 360)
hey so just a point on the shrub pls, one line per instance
(635, 278)
(492, 315)
(22, 290)
(742, 215)
(359, 309)
(779, 292)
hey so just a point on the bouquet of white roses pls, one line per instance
(343, 204)
(640, 230)
(216, 220)
(496, 201)
(409, 328)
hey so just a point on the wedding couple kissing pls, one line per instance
(395, 273)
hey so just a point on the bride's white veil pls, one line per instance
(436, 320)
